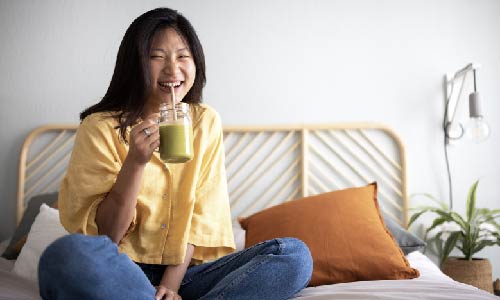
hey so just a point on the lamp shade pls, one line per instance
(475, 105)
(476, 128)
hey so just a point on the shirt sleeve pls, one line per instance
(211, 229)
(92, 172)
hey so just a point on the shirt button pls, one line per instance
(163, 226)
(165, 196)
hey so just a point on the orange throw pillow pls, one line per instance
(344, 231)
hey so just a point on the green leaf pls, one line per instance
(472, 239)
(449, 245)
(471, 200)
(434, 245)
(496, 225)
(439, 247)
(481, 214)
(468, 238)
(426, 207)
(442, 204)
(459, 220)
(488, 219)
(479, 246)
(437, 222)
(415, 216)
(438, 211)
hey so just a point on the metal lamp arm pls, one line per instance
(452, 106)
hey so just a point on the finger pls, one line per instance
(151, 129)
(154, 117)
(149, 134)
(159, 296)
(148, 126)
(150, 122)
(155, 136)
(155, 144)
(154, 132)
(137, 134)
(155, 128)
(147, 123)
(140, 137)
(164, 294)
(170, 295)
(160, 293)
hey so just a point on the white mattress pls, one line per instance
(432, 284)
(13, 287)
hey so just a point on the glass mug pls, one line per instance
(176, 133)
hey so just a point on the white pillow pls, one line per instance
(239, 237)
(45, 229)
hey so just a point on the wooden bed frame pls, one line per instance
(266, 165)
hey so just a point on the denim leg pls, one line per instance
(274, 270)
(79, 267)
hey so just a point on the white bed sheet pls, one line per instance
(431, 285)
(13, 287)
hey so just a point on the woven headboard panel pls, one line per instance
(265, 165)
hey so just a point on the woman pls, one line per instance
(143, 229)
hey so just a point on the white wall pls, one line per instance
(272, 62)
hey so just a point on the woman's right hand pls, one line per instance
(144, 139)
(164, 293)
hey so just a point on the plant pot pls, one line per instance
(476, 272)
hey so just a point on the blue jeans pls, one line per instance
(89, 267)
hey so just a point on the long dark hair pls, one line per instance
(130, 85)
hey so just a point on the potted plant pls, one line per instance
(471, 233)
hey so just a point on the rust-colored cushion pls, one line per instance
(344, 231)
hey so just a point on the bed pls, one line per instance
(266, 167)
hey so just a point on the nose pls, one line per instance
(171, 66)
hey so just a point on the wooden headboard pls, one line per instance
(266, 165)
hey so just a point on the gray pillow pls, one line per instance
(14, 247)
(407, 241)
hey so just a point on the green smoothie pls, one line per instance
(176, 143)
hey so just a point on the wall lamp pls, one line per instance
(476, 128)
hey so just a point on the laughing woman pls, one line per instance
(141, 228)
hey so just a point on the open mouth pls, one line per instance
(169, 84)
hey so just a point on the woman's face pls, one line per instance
(170, 62)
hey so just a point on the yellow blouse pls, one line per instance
(177, 203)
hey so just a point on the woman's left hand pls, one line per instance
(164, 293)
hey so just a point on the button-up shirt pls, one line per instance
(177, 203)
